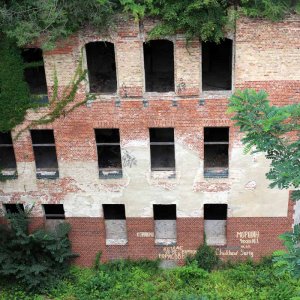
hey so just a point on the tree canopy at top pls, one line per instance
(26, 20)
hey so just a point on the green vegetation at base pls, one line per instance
(125, 279)
(37, 259)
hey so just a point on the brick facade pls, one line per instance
(266, 56)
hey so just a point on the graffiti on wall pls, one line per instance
(128, 160)
(145, 234)
(175, 253)
(246, 240)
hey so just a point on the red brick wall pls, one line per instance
(75, 140)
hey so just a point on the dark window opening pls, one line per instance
(162, 149)
(45, 153)
(109, 152)
(215, 211)
(7, 154)
(215, 219)
(165, 224)
(164, 211)
(159, 66)
(101, 67)
(34, 72)
(216, 65)
(14, 208)
(54, 211)
(216, 141)
(114, 211)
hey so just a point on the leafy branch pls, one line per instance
(272, 130)
(62, 103)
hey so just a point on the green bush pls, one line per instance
(37, 259)
(206, 258)
(143, 280)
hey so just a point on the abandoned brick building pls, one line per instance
(154, 163)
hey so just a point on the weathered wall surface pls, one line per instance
(267, 56)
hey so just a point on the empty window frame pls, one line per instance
(159, 66)
(55, 215)
(217, 65)
(216, 143)
(115, 224)
(109, 153)
(215, 218)
(165, 224)
(45, 153)
(162, 149)
(54, 211)
(14, 208)
(101, 65)
(8, 165)
(34, 72)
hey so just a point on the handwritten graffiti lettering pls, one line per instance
(246, 239)
(128, 160)
(175, 253)
(145, 234)
(247, 234)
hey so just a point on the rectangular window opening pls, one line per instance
(14, 208)
(216, 65)
(162, 149)
(216, 143)
(159, 66)
(109, 153)
(215, 218)
(34, 72)
(115, 224)
(101, 67)
(54, 211)
(54, 215)
(165, 224)
(45, 153)
(8, 165)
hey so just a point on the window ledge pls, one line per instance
(47, 174)
(117, 242)
(165, 242)
(163, 174)
(110, 173)
(216, 94)
(159, 95)
(211, 173)
(41, 99)
(8, 174)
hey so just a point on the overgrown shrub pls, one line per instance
(205, 257)
(34, 259)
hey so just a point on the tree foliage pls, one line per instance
(62, 102)
(276, 132)
(34, 259)
(26, 20)
(273, 130)
(289, 261)
(14, 91)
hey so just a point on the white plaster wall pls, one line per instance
(248, 195)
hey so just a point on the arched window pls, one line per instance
(159, 66)
(216, 65)
(101, 65)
